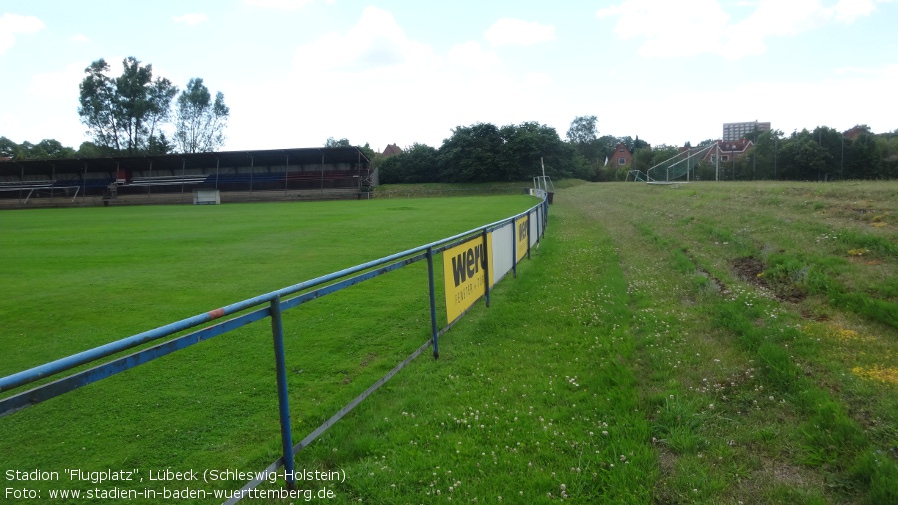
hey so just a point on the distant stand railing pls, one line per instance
(511, 240)
(37, 186)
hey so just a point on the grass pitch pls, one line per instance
(712, 343)
(77, 278)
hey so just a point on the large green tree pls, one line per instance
(633, 144)
(527, 146)
(124, 113)
(8, 148)
(45, 149)
(416, 164)
(332, 142)
(199, 120)
(802, 157)
(583, 134)
(344, 142)
(583, 130)
(761, 160)
(469, 155)
(485, 153)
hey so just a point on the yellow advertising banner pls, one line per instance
(522, 237)
(464, 276)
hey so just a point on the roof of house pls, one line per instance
(855, 131)
(734, 145)
(392, 149)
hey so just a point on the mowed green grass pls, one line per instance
(77, 278)
(633, 361)
(711, 343)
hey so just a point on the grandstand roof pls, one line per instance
(270, 157)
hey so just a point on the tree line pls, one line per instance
(484, 152)
(127, 115)
(820, 154)
(124, 115)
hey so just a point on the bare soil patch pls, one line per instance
(751, 270)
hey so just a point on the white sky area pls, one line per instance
(295, 72)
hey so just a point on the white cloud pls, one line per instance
(79, 38)
(47, 108)
(190, 19)
(670, 28)
(849, 10)
(517, 32)
(471, 54)
(281, 4)
(689, 28)
(788, 104)
(794, 105)
(536, 80)
(58, 85)
(372, 83)
(12, 24)
(375, 42)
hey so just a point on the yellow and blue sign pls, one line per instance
(464, 275)
(522, 236)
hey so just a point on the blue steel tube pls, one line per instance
(433, 304)
(277, 333)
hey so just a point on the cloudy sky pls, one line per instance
(295, 72)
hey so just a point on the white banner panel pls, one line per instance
(501, 253)
(534, 226)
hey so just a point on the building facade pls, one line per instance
(736, 131)
(728, 150)
(622, 155)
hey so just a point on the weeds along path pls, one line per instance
(763, 336)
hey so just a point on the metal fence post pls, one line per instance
(485, 259)
(433, 304)
(515, 231)
(539, 223)
(277, 333)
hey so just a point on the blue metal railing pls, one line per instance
(267, 305)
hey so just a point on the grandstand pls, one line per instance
(278, 174)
